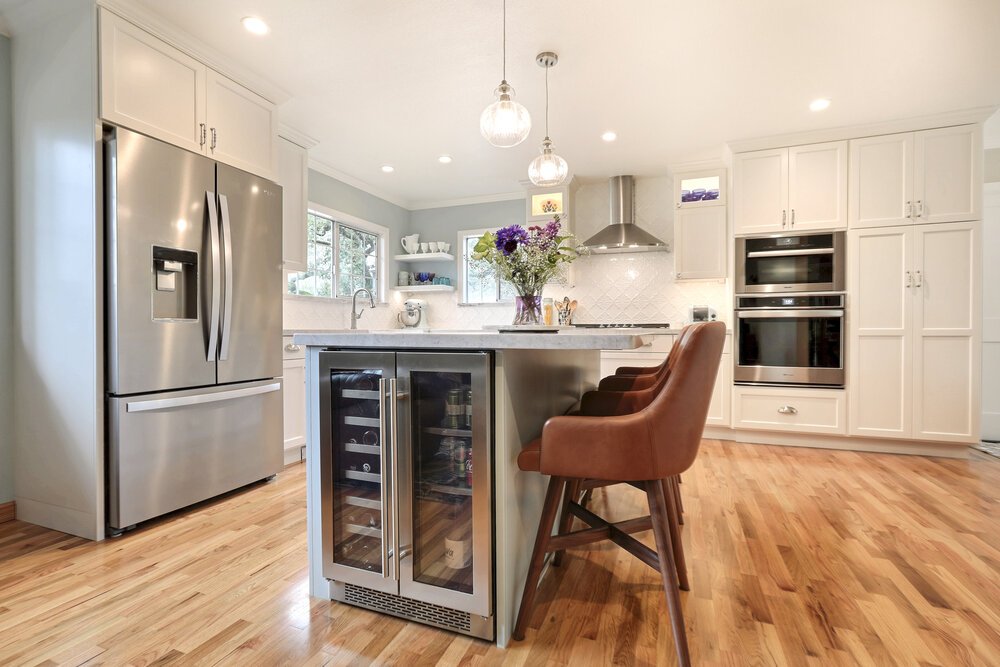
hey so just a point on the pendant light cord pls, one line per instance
(503, 76)
(547, 101)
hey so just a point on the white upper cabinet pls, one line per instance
(700, 243)
(817, 186)
(760, 191)
(947, 174)
(293, 175)
(242, 126)
(915, 332)
(916, 177)
(787, 189)
(149, 86)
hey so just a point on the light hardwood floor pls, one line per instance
(797, 556)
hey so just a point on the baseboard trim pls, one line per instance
(953, 450)
(8, 511)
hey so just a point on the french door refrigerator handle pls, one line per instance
(199, 399)
(394, 462)
(387, 519)
(213, 326)
(227, 308)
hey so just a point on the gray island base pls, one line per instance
(535, 376)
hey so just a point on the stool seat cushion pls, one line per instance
(530, 458)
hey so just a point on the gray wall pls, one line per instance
(339, 196)
(443, 224)
(6, 281)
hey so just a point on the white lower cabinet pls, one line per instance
(915, 332)
(295, 399)
(821, 411)
(720, 409)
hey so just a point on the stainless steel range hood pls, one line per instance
(622, 234)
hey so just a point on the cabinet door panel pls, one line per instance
(245, 126)
(719, 409)
(817, 186)
(700, 243)
(947, 173)
(880, 344)
(295, 403)
(149, 86)
(760, 191)
(293, 174)
(947, 332)
(881, 181)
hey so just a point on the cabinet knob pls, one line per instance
(787, 410)
(677, 275)
(292, 347)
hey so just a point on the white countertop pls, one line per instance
(574, 339)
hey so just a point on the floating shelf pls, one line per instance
(425, 257)
(423, 288)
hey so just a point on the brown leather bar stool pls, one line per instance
(643, 449)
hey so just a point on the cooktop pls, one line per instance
(621, 325)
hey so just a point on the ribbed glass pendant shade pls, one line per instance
(505, 123)
(547, 169)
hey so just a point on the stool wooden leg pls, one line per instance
(675, 536)
(668, 569)
(675, 488)
(566, 519)
(549, 511)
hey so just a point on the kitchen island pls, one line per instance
(519, 381)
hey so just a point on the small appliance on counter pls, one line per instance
(703, 314)
(414, 314)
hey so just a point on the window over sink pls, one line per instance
(343, 254)
(478, 285)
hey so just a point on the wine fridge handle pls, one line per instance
(394, 463)
(385, 483)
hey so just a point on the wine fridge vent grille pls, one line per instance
(425, 612)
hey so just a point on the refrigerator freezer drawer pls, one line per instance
(170, 450)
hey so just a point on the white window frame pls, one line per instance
(357, 223)
(460, 259)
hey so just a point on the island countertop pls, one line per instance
(470, 339)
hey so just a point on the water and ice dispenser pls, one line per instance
(175, 284)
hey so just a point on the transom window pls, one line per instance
(343, 256)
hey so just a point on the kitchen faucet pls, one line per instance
(354, 306)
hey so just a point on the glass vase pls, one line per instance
(528, 309)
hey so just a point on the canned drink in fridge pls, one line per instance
(454, 411)
(468, 467)
(458, 462)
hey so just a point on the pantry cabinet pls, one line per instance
(922, 177)
(800, 188)
(293, 177)
(915, 332)
(152, 87)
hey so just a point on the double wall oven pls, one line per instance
(790, 310)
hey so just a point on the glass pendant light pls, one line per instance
(547, 169)
(505, 123)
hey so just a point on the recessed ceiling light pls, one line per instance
(445, 159)
(609, 136)
(255, 25)
(388, 168)
(819, 104)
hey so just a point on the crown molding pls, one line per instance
(947, 119)
(296, 137)
(159, 27)
(347, 179)
(467, 201)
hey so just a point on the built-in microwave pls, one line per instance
(790, 263)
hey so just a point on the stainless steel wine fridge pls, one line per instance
(406, 455)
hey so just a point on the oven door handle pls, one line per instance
(790, 253)
(777, 314)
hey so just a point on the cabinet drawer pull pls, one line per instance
(292, 347)
(787, 410)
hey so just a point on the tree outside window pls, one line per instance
(341, 259)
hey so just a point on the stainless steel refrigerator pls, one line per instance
(193, 303)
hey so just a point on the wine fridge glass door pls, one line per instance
(355, 455)
(445, 494)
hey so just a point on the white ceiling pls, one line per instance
(393, 82)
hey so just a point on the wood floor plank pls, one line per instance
(796, 557)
